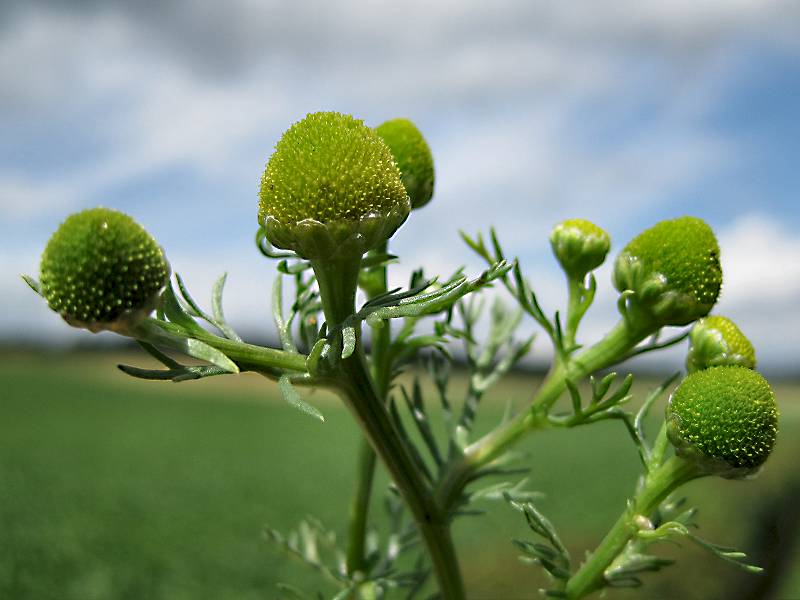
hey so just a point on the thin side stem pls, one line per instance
(359, 508)
(604, 353)
(656, 487)
(574, 312)
(253, 357)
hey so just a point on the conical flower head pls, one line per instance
(331, 189)
(102, 270)
(580, 246)
(717, 341)
(413, 157)
(674, 270)
(725, 419)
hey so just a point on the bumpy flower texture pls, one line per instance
(716, 341)
(331, 189)
(724, 418)
(102, 270)
(413, 156)
(674, 270)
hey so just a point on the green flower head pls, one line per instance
(102, 270)
(674, 270)
(580, 246)
(725, 419)
(716, 341)
(413, 157)
(331, 189)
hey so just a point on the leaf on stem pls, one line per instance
(33, 284)
(292, 397)
(218, 320)
(551, 555)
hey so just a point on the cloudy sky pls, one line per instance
(624, 113)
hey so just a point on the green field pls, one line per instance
(116, 488)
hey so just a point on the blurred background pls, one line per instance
(622, 113)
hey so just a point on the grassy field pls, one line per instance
(112, 488)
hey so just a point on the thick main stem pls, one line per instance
(604, 353)
(657, 485)
(365, 470)
(337, 282)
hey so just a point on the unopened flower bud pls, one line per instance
(413, 156)
(580, 246)
(674, 270)
(716, 341)
(102, 270)
(331, 189)
(725, 419)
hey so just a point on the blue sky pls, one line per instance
(622, 113)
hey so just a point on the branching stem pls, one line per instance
(604, 353)
(351, 378)
(657, 485)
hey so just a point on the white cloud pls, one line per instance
(761, 263)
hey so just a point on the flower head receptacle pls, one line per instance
(716, 341)
(673, 269)
(331, 189)
(413, 156)
(102, 271)
(724, 419)
(580, 246)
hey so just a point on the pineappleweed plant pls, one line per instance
(332, 195)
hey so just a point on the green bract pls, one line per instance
(725, 419)
(331, 189)
(716, 341)
(580, 246)
(413, 157)
(673, 269)
(102, 270)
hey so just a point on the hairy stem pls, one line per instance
(657, 485)
(352, 380)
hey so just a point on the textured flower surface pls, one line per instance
(716, 341)
(413, 156)
(331, 188)
(674, 269)
(101, 269)
(724, 417)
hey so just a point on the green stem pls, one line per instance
(253, 357)
(574, 312)
(337, 283)
(606, 352)
(359, 509)
(365, 473)
(656, 487)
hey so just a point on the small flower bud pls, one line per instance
(331, 189)
(580, 246)
(725, 419)
(716, 341)
(413, 156)
(674, 270)
(102, 270)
